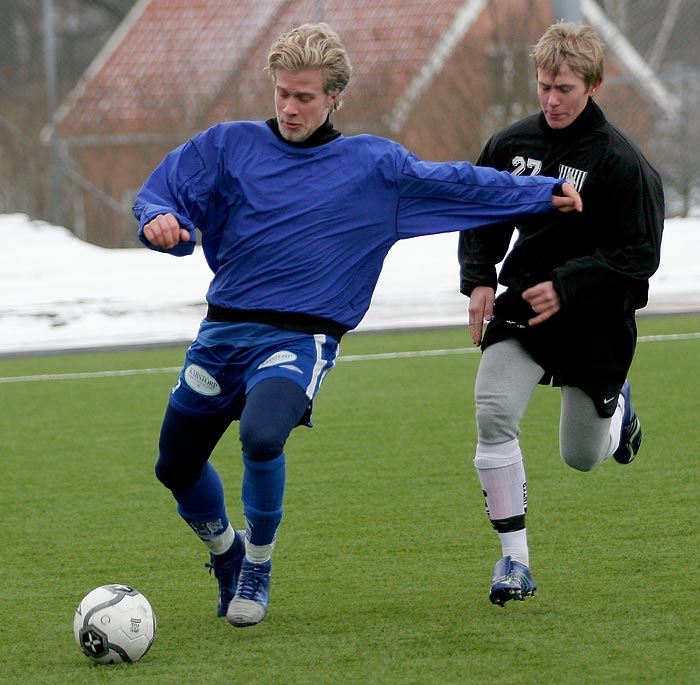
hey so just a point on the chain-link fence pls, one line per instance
(661, 31)
(46, 45)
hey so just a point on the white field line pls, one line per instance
(346, 358)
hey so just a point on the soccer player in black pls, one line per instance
(572, 285)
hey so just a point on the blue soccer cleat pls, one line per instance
(631, 431)
(511, 580)
(249, 606)
(227, 567)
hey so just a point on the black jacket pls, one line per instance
(599, 261)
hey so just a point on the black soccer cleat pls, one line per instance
(631, 431)
(511, 580)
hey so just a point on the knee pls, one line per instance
(260, 442)
(184, 447)
(273, 408)
(167, 475)
(582, 453)
(496, 422)
(175, 474)
(580, 459)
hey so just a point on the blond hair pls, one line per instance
(313, 46)
(577, 46)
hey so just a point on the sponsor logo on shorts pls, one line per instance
(281, 357)
(201, 381)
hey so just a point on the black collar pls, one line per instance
(322, 135)
(591, 117)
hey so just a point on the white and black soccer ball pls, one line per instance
(114, 624)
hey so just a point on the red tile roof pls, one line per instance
(172, 62)
(166, 61)
(176, 66)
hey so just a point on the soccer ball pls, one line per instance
(114, 623)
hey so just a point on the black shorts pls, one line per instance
(576, 351)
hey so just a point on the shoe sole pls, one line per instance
(245, 612)
(511, 580)
(503, 595)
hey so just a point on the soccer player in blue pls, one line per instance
(295, 220)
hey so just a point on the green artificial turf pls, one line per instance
(382, 567)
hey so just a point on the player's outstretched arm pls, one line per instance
(165, 232)
(569, 201)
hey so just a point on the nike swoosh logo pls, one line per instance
(609, 400)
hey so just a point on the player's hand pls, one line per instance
(568, 202)
(544, 300)
(165, 232)
(480, 311)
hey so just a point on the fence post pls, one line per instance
(51, 92)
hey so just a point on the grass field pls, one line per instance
(384, 557)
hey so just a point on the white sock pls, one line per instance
(616, 425)
(514, 545)
(220, 543)
(502, 476)
(258, 554)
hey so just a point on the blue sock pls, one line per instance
(263, 493)
(202, 505)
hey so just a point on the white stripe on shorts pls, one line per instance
(321, 367)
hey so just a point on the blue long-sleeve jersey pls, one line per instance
(306, 230)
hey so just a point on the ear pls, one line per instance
(594, 88)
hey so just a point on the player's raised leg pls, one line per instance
(186, 442)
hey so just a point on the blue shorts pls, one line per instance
(228, 359)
